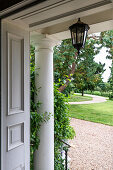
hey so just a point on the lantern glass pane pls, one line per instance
(80, 33)
(73, 38)
(85, 35)
(79, 37)
(73, 35)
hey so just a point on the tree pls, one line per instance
(88, 73)
(104, 87)
(65, 58)
(80, 70)
(107, 41)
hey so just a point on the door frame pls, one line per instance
(12, 12)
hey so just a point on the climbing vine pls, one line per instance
(36, 119)
(62, 129)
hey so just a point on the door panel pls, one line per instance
(15, 98)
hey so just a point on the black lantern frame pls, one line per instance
(79, 34)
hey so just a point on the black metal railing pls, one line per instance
(66, 148)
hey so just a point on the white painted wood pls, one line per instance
(15, 92)
(44, 157)
(15, 136)
(16, 6)
(55, 16)
(15, 74)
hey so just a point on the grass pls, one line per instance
(79, 98)
(98, 112)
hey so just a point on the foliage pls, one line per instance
(97, 112)
(64, 65)
(111, 96)
(36, 121)
(63, 131)
(72, 71)
(88, 73)
(98, 93)
(104, 87)
(64, 56)
(107, 41)
(36, 118)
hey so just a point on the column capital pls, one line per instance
(43, 41)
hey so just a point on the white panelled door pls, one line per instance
(15, 98)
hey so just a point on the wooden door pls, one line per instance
(15, 98)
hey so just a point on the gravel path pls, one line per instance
(96, 99)
(92, 148)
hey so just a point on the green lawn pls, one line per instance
(79, 98)
(98, 112)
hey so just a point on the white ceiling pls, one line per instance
(53, 17)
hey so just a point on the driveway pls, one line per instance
(92, 148)
(96, 99)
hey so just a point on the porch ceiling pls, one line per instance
(53, 17)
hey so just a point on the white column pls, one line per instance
(44, 156)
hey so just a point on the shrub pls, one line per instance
(36, 121)
(63, 131)
(98, 93)
(111, 96)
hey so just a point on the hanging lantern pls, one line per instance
(79, 34)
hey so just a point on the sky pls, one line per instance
(101, 57)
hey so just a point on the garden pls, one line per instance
(96, 112)
(74, 74)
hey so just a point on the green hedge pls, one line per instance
(98, 93)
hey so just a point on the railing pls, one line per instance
(65, 148)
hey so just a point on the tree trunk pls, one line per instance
(63, 87)
(82, 92)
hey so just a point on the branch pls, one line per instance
(62, 88)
